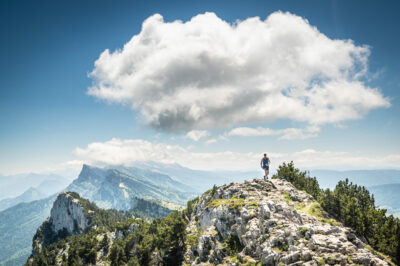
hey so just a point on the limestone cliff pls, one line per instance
(272, 223)
(67, 217)
(67, 214)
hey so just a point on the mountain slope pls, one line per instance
(51, 186)
(267, 222)
(154, 177)
(18, 224)
(30, 194)
(111, 188)
(199, 180)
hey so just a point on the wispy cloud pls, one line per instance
(284, 134)
(211, 141)
(196, 135)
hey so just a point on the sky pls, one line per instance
(206, 84)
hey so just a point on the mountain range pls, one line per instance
(145, 188)
(29, 195)
(113, 188)
(250, 223)
(14, 185)
(108, 187)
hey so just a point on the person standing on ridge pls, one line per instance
(265, 162)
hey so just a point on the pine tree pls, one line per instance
(104, 243)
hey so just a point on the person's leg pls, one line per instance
(266, 173)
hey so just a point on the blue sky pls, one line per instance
(47, 118)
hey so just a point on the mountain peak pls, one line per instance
(269, 222)
(86, 168)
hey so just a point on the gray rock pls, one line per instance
(255, 219)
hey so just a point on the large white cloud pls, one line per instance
(207, 73)
(126, 152)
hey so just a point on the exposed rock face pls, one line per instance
(67, 217)
(68, 214)
(272, 223)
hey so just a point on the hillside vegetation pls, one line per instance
(17, 227)
(135, 241)
(352, 205)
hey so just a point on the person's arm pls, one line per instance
(269, 161)
(261, 163)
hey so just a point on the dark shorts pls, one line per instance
(266, 167)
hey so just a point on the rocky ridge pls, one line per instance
(269, 223)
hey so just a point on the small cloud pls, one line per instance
(252, 132)
(223, 137)
(284, 134)
(196, 135)
(340, 125)
(300, 133)
(190, 147)
(210, 141)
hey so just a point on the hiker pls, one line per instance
(265, 161)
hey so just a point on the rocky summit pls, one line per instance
(269, 223)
